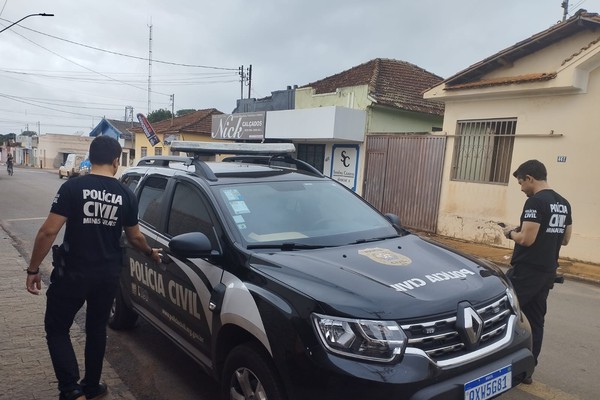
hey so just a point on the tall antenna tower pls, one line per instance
(149, 67)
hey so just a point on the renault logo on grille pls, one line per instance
(469, 325)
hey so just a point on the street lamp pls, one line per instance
(27, 16)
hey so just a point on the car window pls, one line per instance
(131, 181)
(300, 211)
(189, 213)
(150, 200)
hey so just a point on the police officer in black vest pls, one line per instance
(545, 227)
(96, 209)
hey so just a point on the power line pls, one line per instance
(84, 67)
(13, 98)
(126, 55)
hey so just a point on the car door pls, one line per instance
(189, 283)
(142, 277)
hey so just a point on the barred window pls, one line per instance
(483, 150)
(158, 151)
(144, 151)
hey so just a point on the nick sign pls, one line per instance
(249, 126)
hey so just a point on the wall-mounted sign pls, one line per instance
(242, 126)
(148, 130)
(561, 158)
(344, 164)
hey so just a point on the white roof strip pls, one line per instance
(232, 148)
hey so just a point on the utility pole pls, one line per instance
(249, 79)
(149, 68)
(242, 79)
(172, 98)
(565, 6)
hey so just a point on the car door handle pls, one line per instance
(164, 258)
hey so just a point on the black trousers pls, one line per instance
(65, 297)
(532, 286)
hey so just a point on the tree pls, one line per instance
(159, 115)
(184, 111)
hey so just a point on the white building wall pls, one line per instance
(470, 210)
(53, 146)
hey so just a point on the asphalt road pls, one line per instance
(155, 369)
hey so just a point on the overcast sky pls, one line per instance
(64, 73)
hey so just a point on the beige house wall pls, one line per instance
(52, 148)
(566, 107)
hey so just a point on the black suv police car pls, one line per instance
(283, 284)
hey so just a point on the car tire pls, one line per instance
(248, 367)
(121, 316)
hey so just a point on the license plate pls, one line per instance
(489, 385)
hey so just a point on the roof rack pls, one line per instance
(270, 160)
(200, 168)
(255, 153)
(161, 161)
(212, 148)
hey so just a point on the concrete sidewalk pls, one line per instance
(27, 372)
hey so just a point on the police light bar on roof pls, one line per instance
(211, 148)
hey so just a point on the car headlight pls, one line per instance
(513, 301)
(381, 341)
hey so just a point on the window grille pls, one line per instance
(483, 150)
(158, 151)
(144, 151)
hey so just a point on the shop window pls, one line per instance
(314, 154)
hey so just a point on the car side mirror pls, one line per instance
(394, 219)
(192, 245)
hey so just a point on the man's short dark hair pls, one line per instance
(104, 149)
(533, 168)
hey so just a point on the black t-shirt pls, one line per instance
(553, 213)
(97, 208)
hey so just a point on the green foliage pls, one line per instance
(159, 115)
(184, 111)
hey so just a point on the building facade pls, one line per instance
(534, 100)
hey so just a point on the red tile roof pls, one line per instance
(199, 122)
(504, 81)
(392, 83)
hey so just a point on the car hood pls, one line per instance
(401, 278)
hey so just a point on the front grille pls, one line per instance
(440, 339)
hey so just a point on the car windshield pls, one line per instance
(297, 214)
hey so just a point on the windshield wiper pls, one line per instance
(375, 239)
(286, 246)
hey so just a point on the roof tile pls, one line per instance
(392, 83)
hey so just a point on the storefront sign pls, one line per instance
(344, 165)
(243, 126)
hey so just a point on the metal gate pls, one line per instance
(404, 177)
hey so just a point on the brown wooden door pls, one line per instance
(404, 177)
